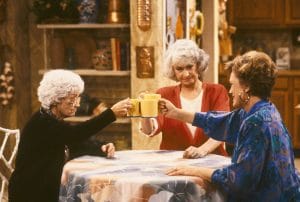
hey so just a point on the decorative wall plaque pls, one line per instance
(7, 88)
(145, 61)
(144, 14)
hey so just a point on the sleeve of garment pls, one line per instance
(88, 147)
(222, 126)
(242, 176)
(79, 132)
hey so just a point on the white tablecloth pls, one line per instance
(137, 175)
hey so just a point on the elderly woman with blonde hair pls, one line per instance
(41, 152)
(186, 64)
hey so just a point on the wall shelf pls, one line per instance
(82, 26)
(93, 72)
(84, 39)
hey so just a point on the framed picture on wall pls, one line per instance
(283, 58)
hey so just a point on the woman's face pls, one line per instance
(68, 106)
(236, 91)
(186, 74)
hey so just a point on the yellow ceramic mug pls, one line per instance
(135, 110)
(149, 108)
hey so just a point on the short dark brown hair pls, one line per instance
(255, 70)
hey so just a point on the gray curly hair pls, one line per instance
(183, 52)
(57, 84)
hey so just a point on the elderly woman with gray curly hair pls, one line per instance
(41, 153)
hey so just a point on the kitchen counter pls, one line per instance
(288, 72)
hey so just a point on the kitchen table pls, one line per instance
(136, 176)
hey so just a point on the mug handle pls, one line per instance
(200, 23)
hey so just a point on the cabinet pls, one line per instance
(280, 97)
(72, 46)
(245, 14)
(286, 97)
(292, 9)
(264, 13)
(296, 111)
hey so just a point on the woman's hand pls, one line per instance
(204, 173)
(194, 152)
(183, 170)
(121, 108)
(109, 149)
(166, 107)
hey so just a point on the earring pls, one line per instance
(242, 97)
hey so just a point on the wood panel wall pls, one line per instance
(15, 38)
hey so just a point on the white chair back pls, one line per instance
(10, 138)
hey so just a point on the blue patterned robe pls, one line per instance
(262, 166)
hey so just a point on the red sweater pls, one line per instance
(175, 134)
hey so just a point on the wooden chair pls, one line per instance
(9, 140)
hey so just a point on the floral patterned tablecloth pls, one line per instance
(136, 176)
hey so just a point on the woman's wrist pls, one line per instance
(148, 126)
(203, 151)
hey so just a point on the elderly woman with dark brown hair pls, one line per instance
(262, 166)
(41, 152)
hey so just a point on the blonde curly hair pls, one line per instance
(183, 52)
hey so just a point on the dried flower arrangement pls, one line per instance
(7, 89)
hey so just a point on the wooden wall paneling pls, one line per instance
(280, 98)
(296, 119)
(15, 29)
(296, 111)
(121, 135)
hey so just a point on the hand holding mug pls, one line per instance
(166, 108)
(121, 108)
(134, 111)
